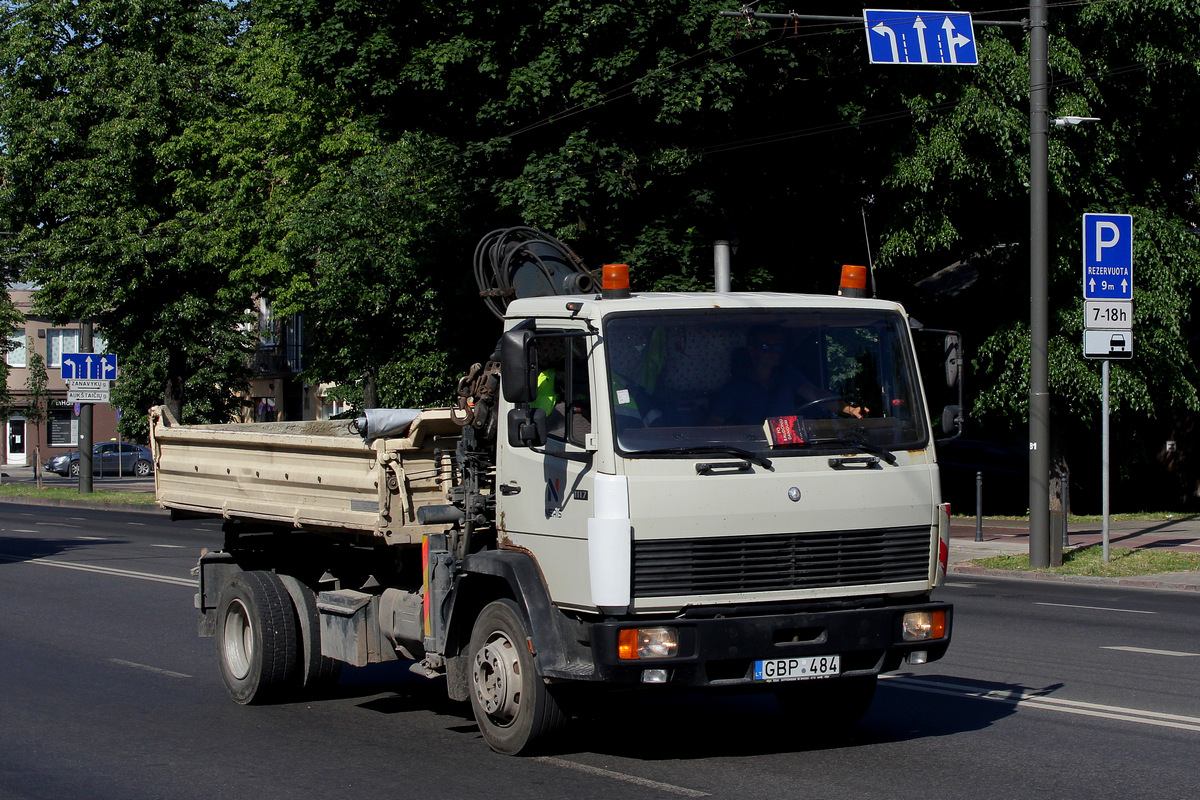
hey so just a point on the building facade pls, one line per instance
(25, 438)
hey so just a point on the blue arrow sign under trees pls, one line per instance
(920, 37)
(89, 366)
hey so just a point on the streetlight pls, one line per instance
(1062, 122)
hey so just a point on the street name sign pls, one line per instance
(1108, 315)
(86, 385)
(87, 395)
(943, 38)
(1108, 344)
(1107, 257)
(93, 366)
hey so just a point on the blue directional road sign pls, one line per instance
(1107, 257)
(89, 366)
(920, 37)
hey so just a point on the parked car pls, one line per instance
(108, 458)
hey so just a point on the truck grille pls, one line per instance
(778, 562)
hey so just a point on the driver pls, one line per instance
(761, 387)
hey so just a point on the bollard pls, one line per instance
(1063, 484)
(979, 506)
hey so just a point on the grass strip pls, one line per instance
(1123, 562)
(70, 494)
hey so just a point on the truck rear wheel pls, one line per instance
(257, 640)
(833, 703)
(512, 704)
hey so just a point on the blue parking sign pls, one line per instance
(1107, 257)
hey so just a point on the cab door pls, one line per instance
(545, 494)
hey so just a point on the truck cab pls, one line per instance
(732, 490)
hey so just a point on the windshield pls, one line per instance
(792, 381)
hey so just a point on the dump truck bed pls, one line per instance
(316, 475)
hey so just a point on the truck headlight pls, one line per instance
(635, 643)
(920, 626)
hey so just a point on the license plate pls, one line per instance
(797, 669)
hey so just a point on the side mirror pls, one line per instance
(952, 420)
(527, 428)
(953, 350)
(518, 366)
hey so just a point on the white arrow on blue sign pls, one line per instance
(920, 37)
(1107, 257)
(89, 366)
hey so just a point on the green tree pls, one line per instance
(365, 274)
(96, 96)
(37, 397)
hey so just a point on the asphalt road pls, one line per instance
(1048, 691)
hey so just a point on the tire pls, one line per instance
(74, 469)
(316, 673)
(512, 704)
(833, 703)
(142, 468)
(257, 639)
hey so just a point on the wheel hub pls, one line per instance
(497, 679)
(239, 640)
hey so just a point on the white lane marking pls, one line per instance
(135, 523)
(1096, 608)
(169, 546)
(123, 573)
(92, 538)
(20, 530)
(961, 585)
(1019, 698)
(620, 776)
(149, 668)
(53, 524)
(1151, 652)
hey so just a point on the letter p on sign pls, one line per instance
(1107, 235)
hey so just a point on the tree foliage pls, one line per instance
(363, 249)
(96, 97)
(341, 157)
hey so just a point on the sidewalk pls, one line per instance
(1007, 537)
(13, 473)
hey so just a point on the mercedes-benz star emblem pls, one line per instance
(794, 494)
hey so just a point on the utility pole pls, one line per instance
(85, 420)
(1039, 384)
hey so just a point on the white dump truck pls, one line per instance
(732, 492)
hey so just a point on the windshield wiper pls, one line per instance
(873, 449)
(703, 449)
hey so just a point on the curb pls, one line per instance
(92, 504)
(1132, 582)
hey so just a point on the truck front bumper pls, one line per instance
(723, 651)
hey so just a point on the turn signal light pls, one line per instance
(637, 643)
(920, 626)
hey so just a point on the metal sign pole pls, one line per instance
(85, 420)
(1104, 457)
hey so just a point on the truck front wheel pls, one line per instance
(834, 703)
(257, 641)
(513, 706)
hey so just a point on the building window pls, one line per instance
(16, 356)
(66, 340)
(58, 342)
